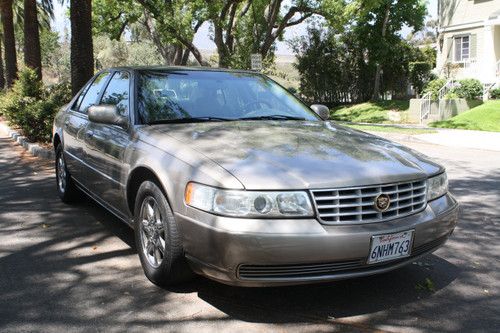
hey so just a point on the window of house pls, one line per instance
(462, 48)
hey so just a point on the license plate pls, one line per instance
(390, 246)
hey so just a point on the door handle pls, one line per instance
(66, 122)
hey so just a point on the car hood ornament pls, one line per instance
(382, 202)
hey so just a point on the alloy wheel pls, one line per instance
(61, 174)
(152, 232)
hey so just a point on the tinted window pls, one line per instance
(171, 95)
(117, 92)
(93, 92)
(79, 99)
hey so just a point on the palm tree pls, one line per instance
(32, 54)
(2, 77)
(9, 41)
(82, 54)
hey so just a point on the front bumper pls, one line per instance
(251, 252)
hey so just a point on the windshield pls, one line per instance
(170, 96)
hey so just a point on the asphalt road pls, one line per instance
(75, 268)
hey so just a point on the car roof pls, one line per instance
(183, 68)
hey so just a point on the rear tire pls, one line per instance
(66, 188)
(157, 238)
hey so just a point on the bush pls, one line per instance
(468, 89)
(420, 74)
(434, 86)
(495, 93)
(31, 106)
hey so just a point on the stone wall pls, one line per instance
(449, 108)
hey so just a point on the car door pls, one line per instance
(106, 145)
(75, 123)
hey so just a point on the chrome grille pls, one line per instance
(356, 204)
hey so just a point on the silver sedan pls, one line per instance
(228, 175)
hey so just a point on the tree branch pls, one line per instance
(299, 20)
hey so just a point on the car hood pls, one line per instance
(296, 154)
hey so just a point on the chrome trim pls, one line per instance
(355, 205)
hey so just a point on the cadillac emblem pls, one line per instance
(382, 202)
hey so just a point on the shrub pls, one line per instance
(420, 74)
(468, 89)
(434, 86)
(451, 95)
(495, 93)
(31, 106)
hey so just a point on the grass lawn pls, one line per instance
(394, 111)
(485, 117)
(390, 129)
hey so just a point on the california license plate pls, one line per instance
(390, 246)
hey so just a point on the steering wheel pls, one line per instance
(256, 102)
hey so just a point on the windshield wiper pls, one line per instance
(272, 117)
(188, 120)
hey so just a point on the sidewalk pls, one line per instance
(463, 139)
(455, 138)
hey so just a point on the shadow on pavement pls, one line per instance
(67, 270)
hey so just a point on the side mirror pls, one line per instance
(106, 114)
(321, 110)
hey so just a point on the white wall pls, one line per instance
(454, 12)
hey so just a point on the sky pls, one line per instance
(202, 39)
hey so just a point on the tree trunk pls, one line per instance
(378, 70)
(32, 56)
(185, 57)
(82, 55)
(9, 41)
(2, 78)
(178, 55)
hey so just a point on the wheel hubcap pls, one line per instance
(152, 232)
(61, 174)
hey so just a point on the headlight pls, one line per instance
(437, 186)
(240, 203)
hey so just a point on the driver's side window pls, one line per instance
(117, 93)
(93, 91)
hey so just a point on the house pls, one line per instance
(469, 40)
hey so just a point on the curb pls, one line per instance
(33, 148)
(398, 137)
(407, 126)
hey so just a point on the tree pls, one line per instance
(243, 27)
(239, 27)
(378, 22)
(425, 36)
(9, 41)
(420, 74)
(332, 67)
(169, 25)
(341, 62)
(82, 57)
(2, 75)
(32, 53)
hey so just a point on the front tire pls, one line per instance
(157, 238)
(66, 188)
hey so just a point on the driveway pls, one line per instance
(74, 268)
